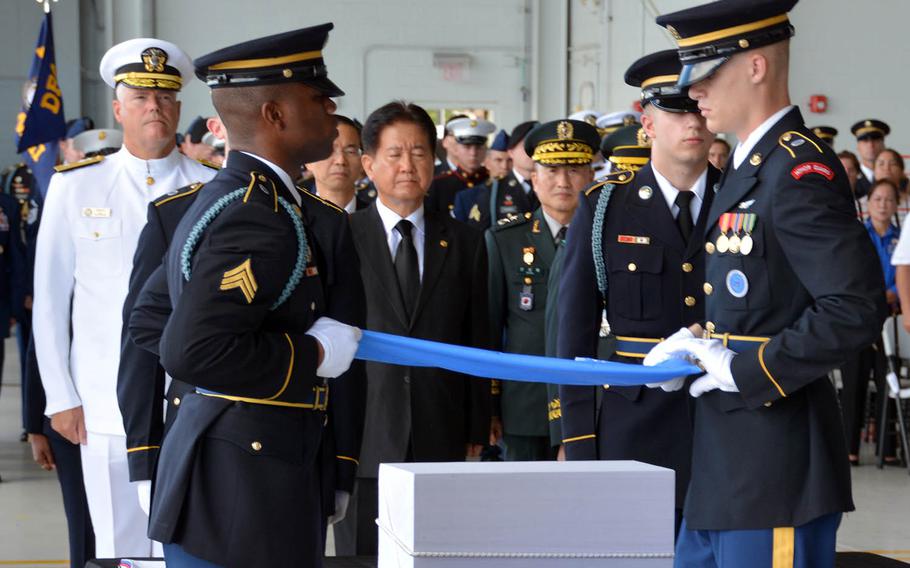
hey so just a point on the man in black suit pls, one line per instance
(426, 277)
(645, 284)
(770, 476)
(335, 177)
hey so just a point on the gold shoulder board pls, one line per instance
(79, 164)
(178, 193)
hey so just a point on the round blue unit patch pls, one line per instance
(737, 284)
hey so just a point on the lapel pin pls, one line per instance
(645, 192)
(444, 243)
(755, 159)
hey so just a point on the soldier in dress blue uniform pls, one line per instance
(521, 250)
(511, 195)
(265, 288)
(626, 150)
(770, 476)
(633, 274)
(468, 151)
(870, 136)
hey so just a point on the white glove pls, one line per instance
(670, 348)
(716, 360)
(339, 344)
(342, 498)
(144, 490)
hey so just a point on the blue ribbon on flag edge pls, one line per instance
(411, 352)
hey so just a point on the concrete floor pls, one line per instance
(33, 528)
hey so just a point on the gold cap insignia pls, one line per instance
(867, 123)
(591, 120)
(642, 138)
(628, 120)
(565, 130)
(102, 135)
(154, 59)
(241, 277)
(473, 123)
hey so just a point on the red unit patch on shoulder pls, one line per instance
(812, 168)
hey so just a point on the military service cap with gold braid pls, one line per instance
(870, 128)
(627, 148)
(289, 57)
(710, 34)
(562, 143)
(146, 63)
(656, 74)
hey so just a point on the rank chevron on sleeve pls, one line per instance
(241, 277)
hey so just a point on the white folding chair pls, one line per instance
(894, 329)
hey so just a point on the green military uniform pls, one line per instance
(627, 150)
(521, 251)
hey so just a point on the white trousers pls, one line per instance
(113, 502)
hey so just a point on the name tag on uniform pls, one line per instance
(633, 240)
(96, 212)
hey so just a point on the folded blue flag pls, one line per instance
(410, 352)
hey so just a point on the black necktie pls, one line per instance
(684, 219)
(561, 236)
(406, 267)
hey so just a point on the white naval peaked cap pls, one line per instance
(619, 118)
(588, 115)
(97, 140)
(147, 63)
(471, 130)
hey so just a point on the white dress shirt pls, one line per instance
(525, 184)
(552, 224)
(867, 171)
(90, 226)
(390, 219)
(669, 192)
(744, 148)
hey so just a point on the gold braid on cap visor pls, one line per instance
(561, 152)
(149, 80)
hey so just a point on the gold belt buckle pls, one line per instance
(322, 398)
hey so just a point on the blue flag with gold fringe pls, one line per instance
(41, 123)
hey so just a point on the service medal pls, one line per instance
(745, 247)
(734, 244)
(723, 242)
